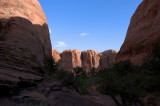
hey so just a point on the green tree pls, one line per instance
(50, 64)
(78, 71)
(93, 72)
(123, 80)
(151, 67)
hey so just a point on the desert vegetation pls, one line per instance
(126, 83)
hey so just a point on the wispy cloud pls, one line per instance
(84, 34)
(61, 44)
(50, 31)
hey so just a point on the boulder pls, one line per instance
(143, 34)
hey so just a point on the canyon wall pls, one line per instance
(107, 58)
(89, 59)
(143, 34)
(24, 41)
(70, 59)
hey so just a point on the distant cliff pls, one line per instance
(87, 60)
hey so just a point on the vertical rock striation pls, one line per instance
(70, 59)
(90, 59)
(87, 60)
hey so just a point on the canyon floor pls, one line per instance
(51, 92)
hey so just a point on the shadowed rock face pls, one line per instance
(107, 58)
(24, 41)
(87, 60)
(52, 93)
(143, 33)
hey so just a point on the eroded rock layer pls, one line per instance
(143, 33)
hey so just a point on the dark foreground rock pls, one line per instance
(24, 43)
(53, 93)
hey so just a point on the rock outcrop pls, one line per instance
(24, 41)
(90, 59)
(143, 33)
(56, 55)
(52, 93)
(70, 59)
(107, 58)
(87, 60)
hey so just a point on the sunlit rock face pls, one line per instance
(70, 59)
(107, 58)
(90, 59)
(24, 40)
(56, 55)
(143, 33)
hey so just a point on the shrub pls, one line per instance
(81, 84)
(50, 64)
(151, 101)
(79, 72)
(152, 62)
(78, 82)
(66, 77)
(151, 68)
(122, 80)
(93, 72)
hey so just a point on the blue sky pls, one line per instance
(88, 24)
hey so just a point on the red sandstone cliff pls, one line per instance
(143, 34)
(107, 58)
(24, 41)
(56, 55)
(70, 59)
(87, 60)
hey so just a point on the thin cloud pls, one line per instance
(84, 34)
(50, 31)
(61, 44)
